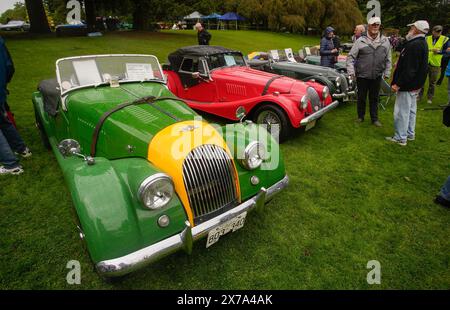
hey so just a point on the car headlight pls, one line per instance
(304, 102)
(253, 156)
(325, 92)
(156, 191)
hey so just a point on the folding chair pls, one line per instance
(385, 91)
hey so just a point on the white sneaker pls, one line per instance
(429, 101)
(15, 171)
(25, 153)
(391, 139)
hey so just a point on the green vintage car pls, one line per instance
(147, 175)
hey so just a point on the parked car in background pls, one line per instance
(218, 81)
(15, 25)
(147, 177)
(341, 86)
(311, 55)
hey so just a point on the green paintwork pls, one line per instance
(315, 60)
(114, 222)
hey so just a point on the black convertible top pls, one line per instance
(176, 57)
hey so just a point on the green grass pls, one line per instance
(353, 197)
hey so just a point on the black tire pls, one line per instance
(42, 133)
(266, 112)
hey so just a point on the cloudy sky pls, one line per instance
(7, 4)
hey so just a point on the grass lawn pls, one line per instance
(353, 197)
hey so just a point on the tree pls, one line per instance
(19, 12)
(38, 18)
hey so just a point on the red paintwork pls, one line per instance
(233, 87)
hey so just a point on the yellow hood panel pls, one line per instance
(169, 148)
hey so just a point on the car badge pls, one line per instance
(189, 128)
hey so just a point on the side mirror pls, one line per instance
(241, 113)
(70, 147)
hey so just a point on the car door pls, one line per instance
(195, 78)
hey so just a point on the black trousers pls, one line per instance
(373, 88)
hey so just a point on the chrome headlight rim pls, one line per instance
(325, 92)
(338, 82)
(251, 163)
(151, 181)
(304, 102)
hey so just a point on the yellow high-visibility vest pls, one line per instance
(435, 59)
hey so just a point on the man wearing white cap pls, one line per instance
(409, 77)
(369, 61)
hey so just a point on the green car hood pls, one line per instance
(127, 132)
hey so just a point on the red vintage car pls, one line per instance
(218, 81)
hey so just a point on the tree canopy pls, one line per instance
(276, 15)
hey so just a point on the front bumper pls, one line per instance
(184, 240)
(319, 113)
(344, 96)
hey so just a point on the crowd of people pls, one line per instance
(369, 62)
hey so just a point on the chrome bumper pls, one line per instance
(344, 95)
(319, 113)
(184, 240)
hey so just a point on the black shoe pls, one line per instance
(442, 201)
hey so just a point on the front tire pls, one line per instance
(275, 120)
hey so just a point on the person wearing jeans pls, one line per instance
(7, 158)
(444, 197)
(10, 140)
(409, 77)
(405, 112)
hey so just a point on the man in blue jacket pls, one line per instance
(10, 140)
(409, 77)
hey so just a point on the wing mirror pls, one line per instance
(70, 147)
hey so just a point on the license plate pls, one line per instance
(310, 125)
(230, 226)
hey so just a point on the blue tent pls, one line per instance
(232, 16)
(212, 16)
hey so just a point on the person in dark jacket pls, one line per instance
(328, 52)
(203, 36)
(409, 77)
(10, 140)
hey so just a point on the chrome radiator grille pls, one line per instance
(316, 104)
(209, 178)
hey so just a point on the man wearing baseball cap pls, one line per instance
(409, 77)
(369, 61)
(437, 44)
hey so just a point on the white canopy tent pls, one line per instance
(193, 16)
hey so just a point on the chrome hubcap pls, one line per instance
(271, 120)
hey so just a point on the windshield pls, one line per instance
(85, 71)
(226, 60)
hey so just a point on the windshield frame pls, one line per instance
(224, 67)
(58, 76)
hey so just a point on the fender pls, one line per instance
(113, 221)
(322, 80)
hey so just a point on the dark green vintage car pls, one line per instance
(283, 62)
(147, 175)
